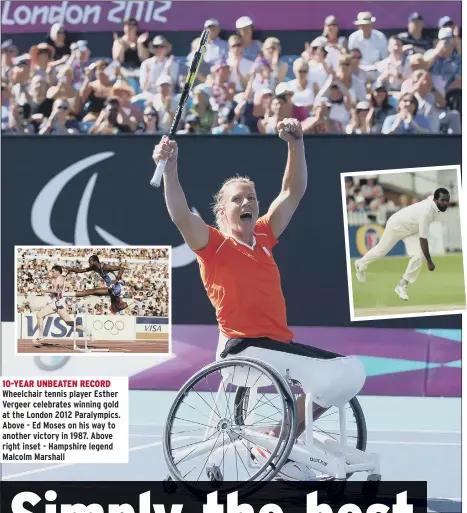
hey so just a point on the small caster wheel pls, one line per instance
(371, 486)
(169, 485)
(215, 476)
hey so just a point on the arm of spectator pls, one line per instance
(425, 129)
(143, 51)
(439, 98)
(130, 120)
(244, 78)
(457, 40)
(430, 56)
(144, 74)
(391, 124)
(118, 48)
(86, 88)
(323, 91)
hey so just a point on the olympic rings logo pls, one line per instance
(112, 327)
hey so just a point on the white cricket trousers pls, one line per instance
(393, 233)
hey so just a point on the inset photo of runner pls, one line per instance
(93, 300)
(404, 242)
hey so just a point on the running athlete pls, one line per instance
(113, 282)
(236, 263)
(411, 225)
(56, 307)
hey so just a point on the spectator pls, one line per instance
(58, 124)
(251, 112)
(93, 94)
(372, 43)
(130, 114)
(5, 100)
(289, 109)
(394, 68)
(304, 95)
(356, 58)
(223, 90)
(241, 68)
(271, 50)
(130, 50)
(9, 53)
(39, 106)
(165, 103)
(335, 44)
(413, 40)
(246, 29)
(59, 40)
(19, 79)
(432, 104)
(65, 89)
(371, 189)
(157, 65)
(445, 63)
(340, 99)
(447, 22)
(403, 201)
(41, 59)
(192, 125)
(320, 122)
(202, 109)
(268, 125)
(112, 119)
(361, 120)
(80, 55)
(216, 48)
(228, 125)
(316, 54)
(262, 77)
(150, 121)
(352, 83)
(349, 186)
(416, 61)
(380, 109)
(16, 122)
(407, 120)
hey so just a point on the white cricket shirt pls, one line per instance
(417, 218)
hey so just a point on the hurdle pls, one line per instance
(82, 308)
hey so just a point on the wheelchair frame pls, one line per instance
(333, 459)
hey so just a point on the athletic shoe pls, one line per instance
(290, 471)
(361, 277)
(401, 291)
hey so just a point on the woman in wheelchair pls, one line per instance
(236, 263)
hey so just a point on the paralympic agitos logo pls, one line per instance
(42, 208)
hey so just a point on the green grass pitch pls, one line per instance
(444, 286)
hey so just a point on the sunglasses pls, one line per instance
(303, 71)
(63, 107)
(332, 25)
(345, 63)
(356, 57)
(151, 114)
(236, 45)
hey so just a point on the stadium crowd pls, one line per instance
(146, 283)
(364, 84)
(120, 254)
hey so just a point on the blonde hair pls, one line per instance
(219, 197)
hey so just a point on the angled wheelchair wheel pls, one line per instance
(205, 447)
(326, 425)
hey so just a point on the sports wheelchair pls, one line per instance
(209, 435)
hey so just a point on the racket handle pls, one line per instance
(156, 179)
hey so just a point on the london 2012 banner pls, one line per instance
(29, 16)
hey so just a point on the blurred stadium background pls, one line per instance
(75, 70)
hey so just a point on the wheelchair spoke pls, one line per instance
(189, 431)
(212, 395)
(186, 455)
(209, 455)
(192, 422)
(241, 459)
(204, 400)
(226, 398)
(258, 404)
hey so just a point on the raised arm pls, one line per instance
(295, 177)
(193, 229)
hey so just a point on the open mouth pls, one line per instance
(246, 216)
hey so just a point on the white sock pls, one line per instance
(69, 294)
(403, 283)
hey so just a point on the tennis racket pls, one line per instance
(190, 80)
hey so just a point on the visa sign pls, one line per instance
(54, 327)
